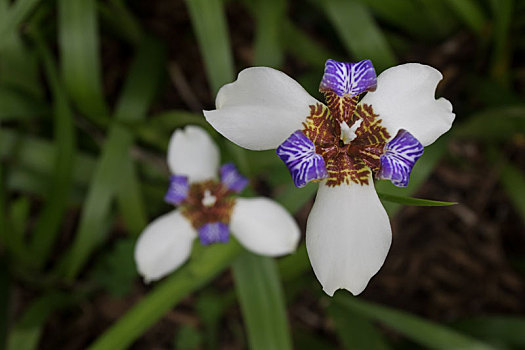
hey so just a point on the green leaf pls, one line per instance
(5, 292)
(493, 124)
(79, 55)
(188, 338)
(396, 12)
(513, 181)
(426, 333)
(506, 330)
(262, 302)
(270, 15)
(209, 23)
(293, 198)
(355, 331)
(61, 182)
(26, 333)
(413, 201)
(16, 105)
(470, 12)
(359, 32)
(130, 200)
(300, 45)
(422, 170)
(115, 270)
(14, 17)
(136, 97)
(166, 294)
(501, 54)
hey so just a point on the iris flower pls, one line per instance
(343, 144)
(208, 209)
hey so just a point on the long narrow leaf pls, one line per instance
(60, 185)
(14, 17)
(355, 331)
(426, 333)
(166, 295)
(209, 22)
(413, 201)
(359, 32)
(270, 15)
(136, 97)
(262, 302)
(79, 51)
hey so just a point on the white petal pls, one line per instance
(264, 227)
(260, 109)
(193, 153)
(348, 236)
(404, 99)
(164, 245)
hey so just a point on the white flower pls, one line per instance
(342, 144)
(207, 209)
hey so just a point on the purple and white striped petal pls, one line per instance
(214, 232)
(232, 179)
(298, 153)
(401, 153)
(177, 190)
(348, 78)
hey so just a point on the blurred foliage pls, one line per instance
(81, 157)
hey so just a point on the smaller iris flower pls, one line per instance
(370, 128)
(208, 209)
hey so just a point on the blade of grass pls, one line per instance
(118, 17)
(136, 97)
(262, 302)
(497, 329)
(304, 48)
(501, 54)
(61, 183)
(359, 32)
(16, 105)
(422, 170)
(396, 12)
(355, 331)
(493, 124)
(270, 15)
(5, 289)
(26, 333)
(513, 182)
(209, 23)
(130, 200)
(198, 271)
(18, 11)
(470, 13)
(413, 201)
(426, 333)
(79, 54)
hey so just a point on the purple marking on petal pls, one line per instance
(177, 190)
(348, 78)
(214, 232)
(298, 153)
(401, 153)
(232, 179)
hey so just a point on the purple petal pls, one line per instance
(214, 232)
(401, 153)
(298, 153)
(177, 190)
(348, 78)
(232, 179)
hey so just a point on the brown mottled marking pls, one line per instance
(198, 213)
(346, 163)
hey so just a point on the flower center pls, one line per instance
(208, 201)
(348, 136)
